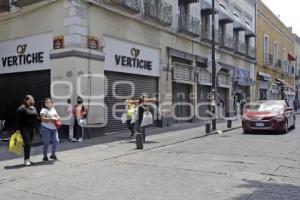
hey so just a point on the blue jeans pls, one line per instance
(48, 134)
(139, 129)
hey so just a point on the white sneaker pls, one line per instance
(74, 140)
(27, 162)
(80, 140)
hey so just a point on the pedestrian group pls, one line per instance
(27, 118)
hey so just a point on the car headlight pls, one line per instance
(245, 118)
(279, 118)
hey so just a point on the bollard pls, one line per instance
(229, 123)
(207, 127)
(139, 141)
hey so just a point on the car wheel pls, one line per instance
(245, 132)
(286, 128)
(294, 124)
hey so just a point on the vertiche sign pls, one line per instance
(25, 54)
(130, 57)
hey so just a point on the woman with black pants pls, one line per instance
(26, 122)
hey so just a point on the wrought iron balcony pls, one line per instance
(131, 5)
(190, 26)
(240, 47)
(268, 59)
(206, 34)
(159, 11)
(226, 41)
(251, 52)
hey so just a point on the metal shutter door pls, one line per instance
(143, 85)
(181, 94)
(14, 87)
(202, 96)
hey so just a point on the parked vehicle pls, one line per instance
(269, 116)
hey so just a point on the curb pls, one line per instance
(223, 131)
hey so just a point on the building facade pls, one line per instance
(297, 67)
(275, 57)
(107, 51)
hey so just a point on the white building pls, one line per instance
(159, 48)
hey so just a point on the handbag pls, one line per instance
(16, 143)
(82, 122)
(58, 123)
(147, 119)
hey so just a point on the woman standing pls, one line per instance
(48, 129)
(80, 113)
(26, 121)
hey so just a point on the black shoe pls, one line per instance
(45, 159)
(53, 157)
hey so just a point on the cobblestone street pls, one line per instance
(175, 165)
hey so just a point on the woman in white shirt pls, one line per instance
(48, 129)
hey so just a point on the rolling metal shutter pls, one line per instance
(181, 94)
(202, 97)
(144, 85)
(14, 87)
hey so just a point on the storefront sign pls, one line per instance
(25, 54)
(58, 42)
(93, 43)
(127, 57)
(242, 77)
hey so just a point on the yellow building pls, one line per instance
(275, 50)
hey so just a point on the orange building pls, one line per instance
(275, 60)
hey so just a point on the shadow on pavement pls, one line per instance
(269, 190)
(33, 164)
(124, 137)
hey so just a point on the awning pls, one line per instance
(250, 33)
(226, 66)
(237, 26)
(285, 83)
(188, 1)
(206, 8)
(291, 57)
(265, 76)
(225, 18)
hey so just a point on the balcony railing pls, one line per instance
(239, 47)
(132, 5)
(226, 41)
(251, 52)
(268, 59)
(206, 34)
(159, 11)
(190, 26)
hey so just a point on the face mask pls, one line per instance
(79, 101)
(31, 103)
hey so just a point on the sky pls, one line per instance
(289, 12)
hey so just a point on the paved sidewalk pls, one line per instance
(154, 139)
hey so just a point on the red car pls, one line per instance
(269, 115)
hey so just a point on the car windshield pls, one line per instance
(266, 107)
